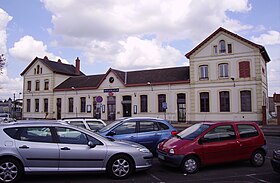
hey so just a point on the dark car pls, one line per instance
(275, 161)
(212, 143)
(143, 130)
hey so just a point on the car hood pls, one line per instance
(174, 143)
(127, 143)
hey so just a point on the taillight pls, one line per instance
(173, 133)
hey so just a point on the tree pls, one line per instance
(2, 62)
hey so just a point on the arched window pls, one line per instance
(222, 45)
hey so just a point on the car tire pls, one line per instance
(257, 158)
(11, 170)
(190, 165)
(120, 167)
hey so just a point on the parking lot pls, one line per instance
(233, 172)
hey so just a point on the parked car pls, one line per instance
(143, 130)
(53, 147)
(5, 117)
(88, 123)
(275, 161)
(213, 143)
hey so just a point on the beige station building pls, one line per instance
(226, 80)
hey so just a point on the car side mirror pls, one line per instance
(111, 133)
(201, 141)
(91, 144)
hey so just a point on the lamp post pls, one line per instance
(76, 110)
(150, 84)
(233, 81)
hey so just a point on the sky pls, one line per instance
(127, 34)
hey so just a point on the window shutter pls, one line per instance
(244, 69)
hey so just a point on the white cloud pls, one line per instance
(9, 86)
(27, 48)
(270, 38)
(139, 53)
(98, 27)
(4, 20)
(167, 19)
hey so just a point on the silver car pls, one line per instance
(27, 147)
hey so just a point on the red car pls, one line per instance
(213, 143)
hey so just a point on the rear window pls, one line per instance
(11, 132)
(163, 126)
(246, 131)
(148, 126)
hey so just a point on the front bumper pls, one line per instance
(145, 163)
(170, 160)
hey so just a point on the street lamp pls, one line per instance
(150, 84)
(73, 88)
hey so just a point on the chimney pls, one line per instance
(77, 71)
(46, 58)
(59, 61)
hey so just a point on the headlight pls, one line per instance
(143, 150)
(171, 151)
(276, 155)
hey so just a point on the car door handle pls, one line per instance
(24, 147)
(65, 148)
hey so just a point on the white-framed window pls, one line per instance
(223, 70)
(215, 49)
(203, 72)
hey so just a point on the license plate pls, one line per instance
(161, 157)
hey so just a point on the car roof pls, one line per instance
(141, 118)
(34, 123)
(79, 118)
(228, 122)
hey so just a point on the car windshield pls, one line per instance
(109, 126)
(192, 132)
(100, 136)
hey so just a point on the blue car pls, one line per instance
(143, 130)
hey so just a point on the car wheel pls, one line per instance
(120, 167)
(257, 158)
(190, 165)
(10, 170)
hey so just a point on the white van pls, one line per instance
(5, 117)
(87, 123)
